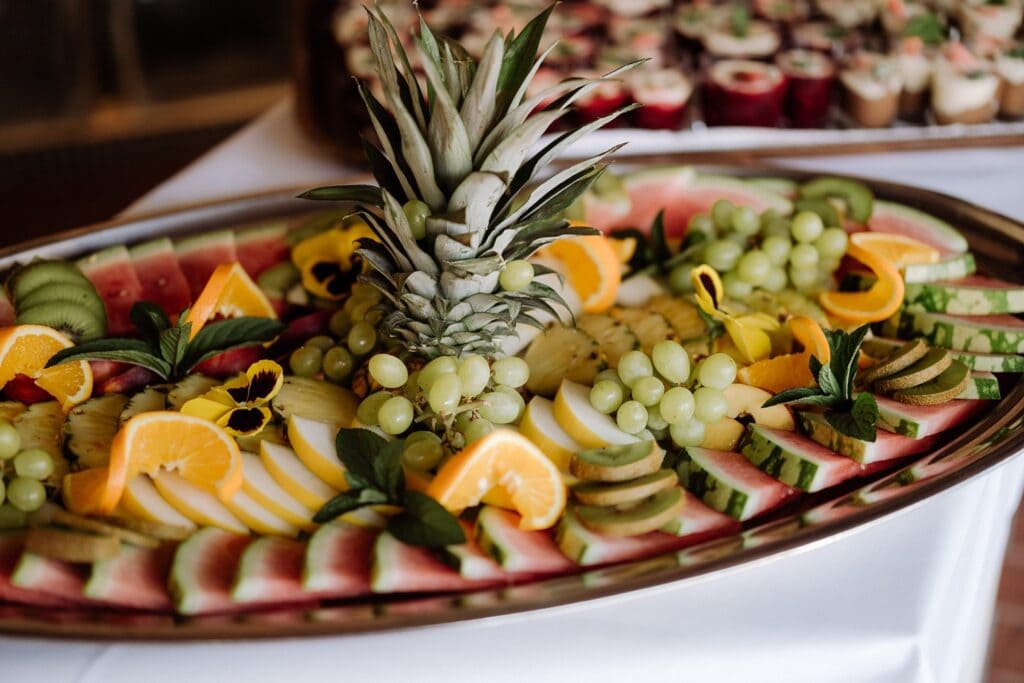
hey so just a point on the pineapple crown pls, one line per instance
(466, 145)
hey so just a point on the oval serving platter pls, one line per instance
(813, 519)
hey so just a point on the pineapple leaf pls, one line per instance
(362, 194)
(478, 108)
(414, 96)
(389, 240)
(478, 194)
(446, 134)
(396, 220)
(481, 265)
(516, 65)
(508, 155)
(389, 137)
(383, 170)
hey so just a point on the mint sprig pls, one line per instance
(373, 470)
(855, 416)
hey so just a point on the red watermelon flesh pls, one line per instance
(517, 550)
(891, 447)
(52, 578)
(933, 419)
(11, 545)
(163, 281)
(401, 568)
(204, 569)
(337, 563)
(586, 548)
(270, 572)
(135, 579)
(905, 220)
(261, 248)
(699, 522)
(200, 255)
(113, 275)
(7, 312)
(764, 493)
(471, 561)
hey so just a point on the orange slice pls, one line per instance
(592, 268)
(229, 293)
(792, 369)
(506, 459)
(900, 250)
(197, 450)
(808, 332)
(878, 303)
(25, 349)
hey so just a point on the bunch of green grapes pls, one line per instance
(22, 472)
(769, 251)
(354, 336)
(664, 393)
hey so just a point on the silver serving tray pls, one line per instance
(998, 243)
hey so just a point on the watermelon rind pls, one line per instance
(199, 256)
(113, 275)
(950, 268)
(981, 334)
(795, 460)
(516, 550)
(886, 446)
(135, 579)
(586, 548)
(338, 560)
(780, 186)
(920, 421)
(702, 474)
(203, 570)
(270, 571)
(926, 228)
(767, 198)
(165, 285)
(982, 385)
(262, 247)
(964, 299)
(399, 568)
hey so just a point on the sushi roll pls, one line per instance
(741, 37)
(810, 76)
(825, 37)
(1010, 68)
(664, 94)
(871, 88)
(849, 13)
(965, 88)
(915, 67)
(998, 19)
(783, 11)
(739, 92)
(644, 38)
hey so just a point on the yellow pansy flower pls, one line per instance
(328, 261)
(748, 331)
(239, 405)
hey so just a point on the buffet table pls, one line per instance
(908, 598)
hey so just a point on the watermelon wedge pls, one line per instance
(796, 460)
(515, 550)
(163, 281)
(200, 255)
(260, 248)
(113, 275)
(7, 313)
(401, 568)
(338, 561)
(972, 295)
(979, 362)
(905, 220)
(51, 578)
(980, 334)
(135, 579)
(730, 484)
(886, 446)
(698, 522)
(949, 268)
(11, 545)
(270, 572)
(471, 562)
(920, 421)
(983, 385)
(203, 570)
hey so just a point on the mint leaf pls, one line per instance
(859, 421)
(828, 382)
(173, 343)
(387, 469)
(357, 449)
(347, 501)
(150, 320)
(130, 351)
(425, 523)
(225, 335)
(791, 395)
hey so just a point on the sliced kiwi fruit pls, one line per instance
(90, 428)
(188, 389)
(76, 294)
(55, 515)
(857, 197)
(612, 336)
(315, 399)
(930, 366)
(617, 463)
(148, 400)
(624, 492)
(77, 323)
(560, 353)
(650, 514)
(42, 273)
(947, 386)
(822, 207)
(900, 359)
(71, 546)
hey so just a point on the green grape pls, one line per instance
(717, 371)
(516, 397)
(807, 227)
(10, 440)
(321, 341)
(3, 492)
(33, 463)
(445, 393)
(803, 278)
(671, 361)
(340, 324)
(474, 373)
(512, 371)
(631, 417)
(338, 364)
(709, 404)
(366, 413)
(412, 385)
(688, 433)
(676, 405)
(776, 281)
(679, 280)
(611, 375)
(735, 287)
(745, 221)
(648, 390)
(722, 255)
(767, 217)
(422, 451)
(777, 249)
(753, 267)
(11, 517)
(278, 278)
(832, 243)
(395, 415)
(774, 225)
(654, 419)
(499, 407)
(28, 495)
(804, 257)
(516, 275)
(389, 371)
(606, 396)
(701, 223)
(361, 310)
(721, 213)
(364, 291)
(633, 365)
(417, 213)
(306, 361)
(362, 338)
(442, 365)
(827, 266)
(477, 429)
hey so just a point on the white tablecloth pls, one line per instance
(908, 599)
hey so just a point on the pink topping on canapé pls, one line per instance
(746, 76)
(897, 8)
(911, 45)
(958, 55)
(805, 63)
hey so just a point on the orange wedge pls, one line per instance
(896, 249)
(792, 369)
(878, 303)
(25, 349)
(808, 332)
(506, 459)
(592, 267)
(196, 449)
(229, 293)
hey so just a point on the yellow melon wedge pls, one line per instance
(314, 444)
(258, 518)
(540, 426)
(264, 489)
(294, 477)
(201, 506)
(142, 501)
(585, 423)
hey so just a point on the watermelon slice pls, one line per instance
(55, 579)
(338, 561)
(270, 572)
(796, 460)
(979, 362)
(203, 570)
(698, 523)
(163, 281)
(113, 275)
(11, 545)
(905, 220)
(7, 313)
(470, 561)
(981, 334)
(949, 268)
(983, 385)
(401, 568)
(263, 247)
(886, 446)
(135, 579)
(200, 255)
(972, 295)
(516, 550)
(730, 484)
(920, 421)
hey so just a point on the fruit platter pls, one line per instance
(483, 380)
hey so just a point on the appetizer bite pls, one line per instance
(1010, 68)
(965, 88)
(809, 76)
(741, 92)
(871, 85)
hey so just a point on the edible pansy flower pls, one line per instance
(748, 331)
(239, 405)
(328, 261)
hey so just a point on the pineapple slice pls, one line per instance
(89, 429)
(681, 315)
(649, 327)
(188, 389)
(560, 353)
(41, 426)
(315, 400)
(613, 336)
(146, 401)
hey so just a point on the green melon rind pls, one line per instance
(952, 268)
(815, 427)
(948, 297)
(773, 200)
(960, 335)
(780, 186)
(101, 259)
(185, 566)
(714, 491)
(782, 462)
(983, 385)
(979, 362)
(198, 243)
(944, 233)
(684, 174)
(161, 245)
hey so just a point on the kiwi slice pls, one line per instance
(930, 366)
(650, 514)
(77, 323)
(71, 546)
(42, 273)
(56, 515)
(900, 359)
(617, 463)
(624, 492)
(76, 294)
(947, 386)
(828, 214)
(859, 200)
